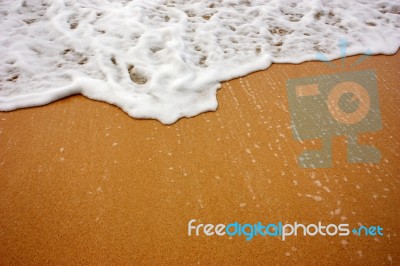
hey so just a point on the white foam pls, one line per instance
(165, 59)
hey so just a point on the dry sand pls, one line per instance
(81, 182)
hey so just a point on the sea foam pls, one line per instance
(165, 59)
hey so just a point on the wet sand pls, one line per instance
(83, 183)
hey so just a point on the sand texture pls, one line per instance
(83, 183)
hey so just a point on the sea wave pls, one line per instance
(166, 59)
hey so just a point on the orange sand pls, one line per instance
(81, 182)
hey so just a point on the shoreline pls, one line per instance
(82, 182)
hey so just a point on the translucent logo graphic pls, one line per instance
(338, 104)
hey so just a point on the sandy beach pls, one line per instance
(81, 182)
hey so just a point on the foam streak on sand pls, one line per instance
(166, 59)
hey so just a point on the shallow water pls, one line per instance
(166, 59)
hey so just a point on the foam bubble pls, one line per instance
(165, 59)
